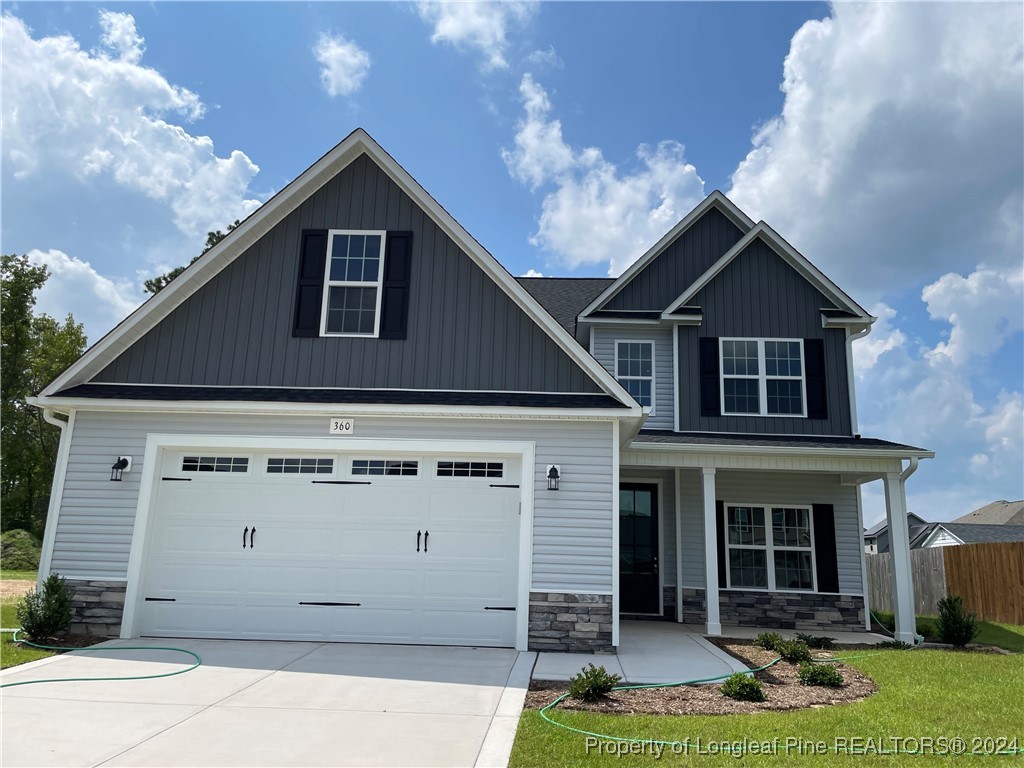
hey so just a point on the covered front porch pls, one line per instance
(726, 531)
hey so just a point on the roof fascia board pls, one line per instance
(63, 404)
(746, 450)
(791, 256)
(716, 199)
(263, 219)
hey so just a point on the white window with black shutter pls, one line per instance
(353, 283)
(762, 377)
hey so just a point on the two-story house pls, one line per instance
(347, 421)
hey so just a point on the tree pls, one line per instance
(34, 349)
(158, 283)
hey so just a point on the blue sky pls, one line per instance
(883, 141)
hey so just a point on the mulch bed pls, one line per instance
(66, 641)
(781, 687)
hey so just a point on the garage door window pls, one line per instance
(388, 467)
(215, 464)
(297, 466)
(470, 469)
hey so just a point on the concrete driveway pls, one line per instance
(268, 703)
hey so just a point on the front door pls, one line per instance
(638, 548)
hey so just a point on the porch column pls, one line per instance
(710, 551)
(899, 548)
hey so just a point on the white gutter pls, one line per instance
(56, 491)
(850, 338)
(783, 450)
(911, 469)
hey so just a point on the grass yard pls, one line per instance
(6, 575)
(13, 654)
(1007, 636)
(921, 694)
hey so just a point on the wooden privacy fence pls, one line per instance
(989, 577)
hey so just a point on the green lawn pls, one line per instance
(13, 654)
(922, 694)
(17, 575)
(8, 618)
(1008, 636)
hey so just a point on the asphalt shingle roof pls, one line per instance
(997, 513)
(565, 297)
(979, 533)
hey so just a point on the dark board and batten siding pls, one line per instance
(464, 332)
(680, 264)
(759, 295)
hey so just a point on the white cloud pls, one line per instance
(343, 65)
(72, 112)
(533, 273)
(120, 36)
(74, 286)
(984, 310)
(883, 338)
(596, 213)
(482, 26)
(897, 153)
(542, 60)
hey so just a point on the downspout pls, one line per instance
(53, 512)
(850, 338)
(911, 469)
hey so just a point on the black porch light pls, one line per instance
(554, 475)
(118, 469)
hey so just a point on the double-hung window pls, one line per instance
(634, 369)
(779, 558)
(352, 283)
(763, 377)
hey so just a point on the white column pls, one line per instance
(678, 478)
(710, 551)
(899, 548)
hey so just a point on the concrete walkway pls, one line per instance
(649, 652)
(268, 704)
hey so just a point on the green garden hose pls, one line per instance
(194, 665)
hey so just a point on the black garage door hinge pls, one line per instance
(499, 485)
(499, 608)
(161, 599)
(341, 482)
(178, 479)
(332, 604)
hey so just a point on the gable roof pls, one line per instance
(793, 258)
(261, 221)
(716, 199)
(976, 533)
(565, 297)
(883, 525)
(997, 513)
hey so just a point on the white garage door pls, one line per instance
(344, 547)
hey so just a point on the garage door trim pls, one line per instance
(158, 444)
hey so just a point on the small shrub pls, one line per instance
(770, 641)
(817, 641)
(592, 683)
(894, 645)
(825, 675)
(956, 626)
(45, 613)
(743, 688)
(19, 551)
(794, 651)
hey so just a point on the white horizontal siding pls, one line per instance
(603, 341)
(572, 543)
(774, 488)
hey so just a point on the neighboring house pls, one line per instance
(876, 538)
(348, 422)
(997, 513)
(954, 534)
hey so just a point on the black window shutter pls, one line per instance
(720, 523)
(817, 397)
(310, 291)
(394, 306)
(709, 400)
(825, 548)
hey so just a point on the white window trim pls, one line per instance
(652, 377)
(769, 547)
(328, 283)
(762, 378)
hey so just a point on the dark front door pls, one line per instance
(638, 548)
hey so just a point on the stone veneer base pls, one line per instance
(96, 607)
(566, 621)
(777, 610)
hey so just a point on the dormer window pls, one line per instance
(352, 283)
(634, 369)
(763, 377)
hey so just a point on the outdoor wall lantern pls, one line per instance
(554, 475)
(122, 465)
